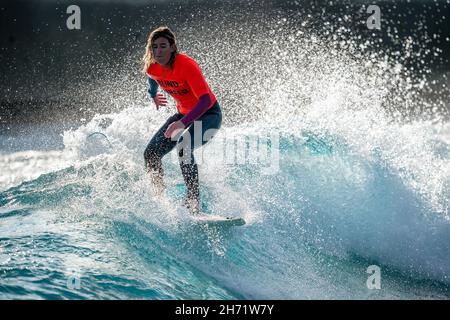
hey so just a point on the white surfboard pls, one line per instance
(218, 220)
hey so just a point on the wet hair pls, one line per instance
(159, 32)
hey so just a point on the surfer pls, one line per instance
(181, 77)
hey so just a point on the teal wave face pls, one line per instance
(95, 230)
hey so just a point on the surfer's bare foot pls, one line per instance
(192, 204)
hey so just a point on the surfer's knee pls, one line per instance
(184, 150)
(147, 154)
(151, 156)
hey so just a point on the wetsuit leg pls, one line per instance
(189, 140)
(159, 146)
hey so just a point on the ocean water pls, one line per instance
(336, 161)
(83, 222)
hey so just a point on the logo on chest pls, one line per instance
(173, 87)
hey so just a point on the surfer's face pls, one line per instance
(162, 50)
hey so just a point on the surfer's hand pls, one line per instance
(173, 128)
(159, 100)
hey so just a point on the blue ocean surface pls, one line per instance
(82, 221)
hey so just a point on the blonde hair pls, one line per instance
(148, 57)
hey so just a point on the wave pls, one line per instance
(327, 168)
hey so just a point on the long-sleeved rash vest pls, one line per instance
(185, 83)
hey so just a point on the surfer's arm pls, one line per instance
(200, 108)
(152, 87)
(157, 98)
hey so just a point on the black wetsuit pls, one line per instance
(159, 146)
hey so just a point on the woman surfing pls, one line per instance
(197, 111)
